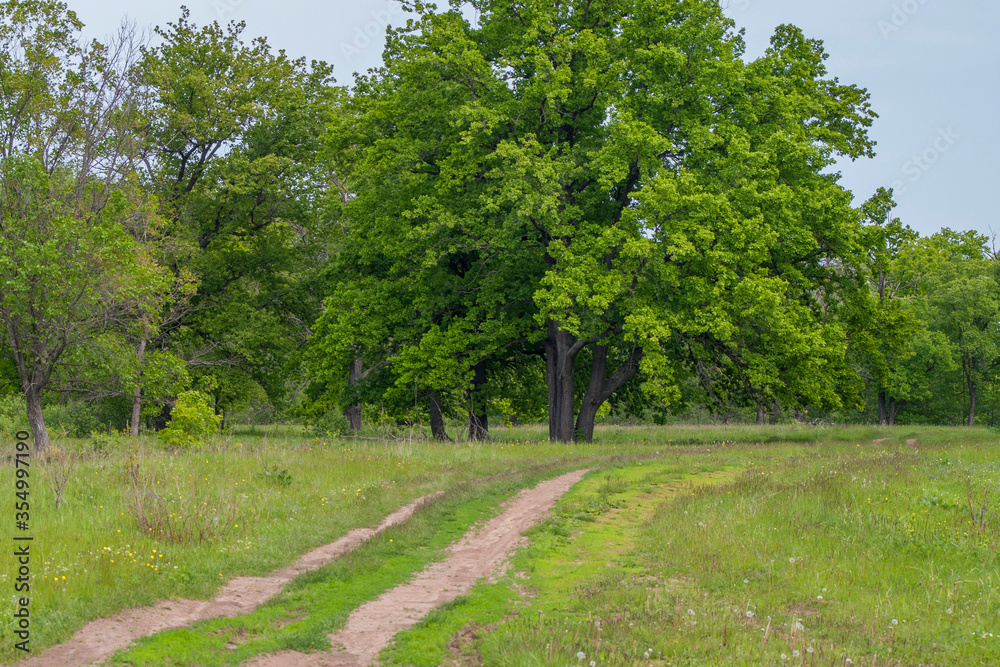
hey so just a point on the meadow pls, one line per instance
(738, 545)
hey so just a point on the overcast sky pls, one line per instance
(931, 66)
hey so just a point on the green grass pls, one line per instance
(318, 602)
(821, 554)
(911, 553)
(92, 559)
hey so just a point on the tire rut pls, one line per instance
(481, 552)
(100, 638)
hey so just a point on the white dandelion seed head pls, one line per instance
(690, 612)
(895, 622)
(581, 655)
(809, 649)
(796, 653)
(749, 614)
(784, 657)
(791, 560)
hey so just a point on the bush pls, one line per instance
(81, 418)
(331, 424)
(105, 443)
(191, 420)
(13, 415)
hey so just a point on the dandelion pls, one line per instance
(593, 663)
(580, 655)
(799, 626)
(749, 614)
(784, 657)
(809, 649)
(848, 661)
(796, 653)
(690, 612)
(746, 581)
(895, 622)
(819, 597)
(792, 561)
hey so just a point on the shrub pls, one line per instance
(191, 515)
(13, 415)
(57, 465)
(331, 424)
(191, 420)
(105, 443)
(81, 418)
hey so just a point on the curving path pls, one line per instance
(482, 552)
(100, 638)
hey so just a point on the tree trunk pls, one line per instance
(601, 388)
(136, 412)
(559, 358)
(882, 420)
(159, 422)
(774, 416)
(33, 400)
(972, 404)
(479, 428)
(893, 411)
(437, 419)
(137, 394)
(760, 413)
(353, 413)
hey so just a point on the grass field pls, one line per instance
(684, 546)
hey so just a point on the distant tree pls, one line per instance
(68, 192)
(233, 128)
(963, 296)
(883, 323)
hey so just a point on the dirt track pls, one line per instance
(480, 553)
(100, 638)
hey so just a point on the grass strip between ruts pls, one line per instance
(319, 602)
(591, 531)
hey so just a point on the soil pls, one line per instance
(100, 638)
(482, 552)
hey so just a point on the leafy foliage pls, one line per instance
(191, 420)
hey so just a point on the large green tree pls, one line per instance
(233, 131)
(602, 177)
(68, 193)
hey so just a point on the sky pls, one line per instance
(932, 68)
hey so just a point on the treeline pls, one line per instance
(561, 211)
